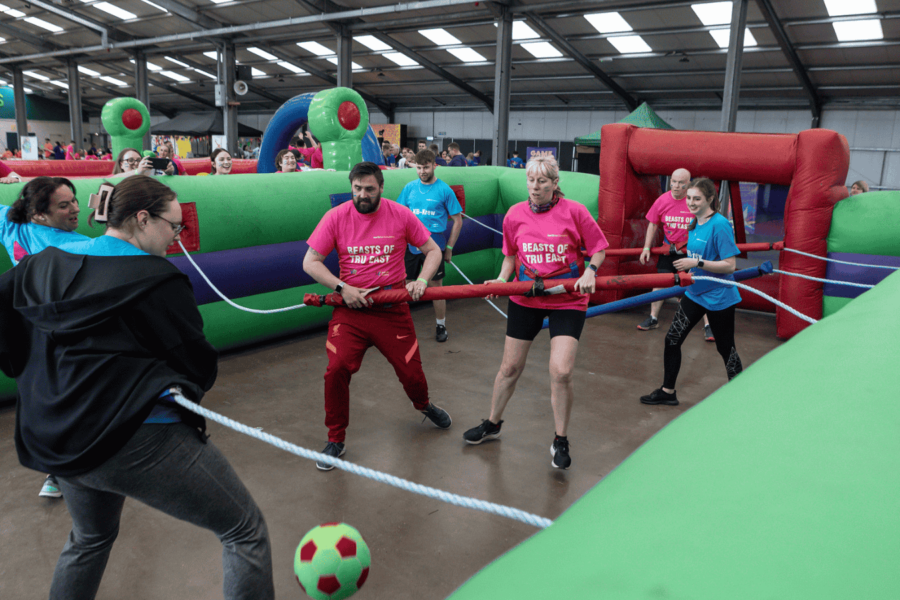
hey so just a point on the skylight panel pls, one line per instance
(839, 8)
(722, 37)
(175, 76)
(541, 49)
(400, 59)
(371, 42)
(521, 31)
(629, 44)
(41, 23)
(713, 13)
(257, 73)
(157, 6)
(4, 83)
(854, 31)
(28, 90)
(177, 62)
(262, 53)
(210, 75)
(34, 75)
(89, 72)
(61, 84)
(608, 22)
(211, 54)
(334, 61)
(467, 55)
(440, 37)
(220, 1)
(290, 66)
(114, 11)
(153, 67)
(114, 81)
(316, 48)
(11, 11)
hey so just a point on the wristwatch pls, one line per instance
(592, 268)
(339, 287)
(700, 263)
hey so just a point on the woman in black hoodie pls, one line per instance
(98, 338)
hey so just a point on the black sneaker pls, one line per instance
(332, 449)
(438, 416)
(559, 450)
(440, 333)
(485, 431)
(648, 324)
(658, 396)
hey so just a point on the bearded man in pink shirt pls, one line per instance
(370, 236)
(671, 212)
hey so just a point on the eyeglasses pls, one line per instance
(131, 161)
(176, 229)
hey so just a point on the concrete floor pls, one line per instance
(421, 548)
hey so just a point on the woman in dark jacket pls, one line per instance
(99, 337)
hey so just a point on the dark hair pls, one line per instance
(134, 194)
(433, 148)
(424, 156)
(861, 185)
(515, 152)
(708, 189)
(279, 156)
(212, 159)
(453, 146)
(118, 168)
(422, 142)
(34, 198)
(364, 169)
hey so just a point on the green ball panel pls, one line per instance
(327, 560)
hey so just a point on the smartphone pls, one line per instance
(160, 164)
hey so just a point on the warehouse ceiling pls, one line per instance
(440, 53)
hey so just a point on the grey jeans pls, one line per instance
(170, 468)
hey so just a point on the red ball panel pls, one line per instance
(328, 524)
(348, 115)
(328, 584)
(362, 578)
(308, 551)
(346, 547)
(132, 119)
(300, 584)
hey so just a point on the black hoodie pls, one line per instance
(92, 342)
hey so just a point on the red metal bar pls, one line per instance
(737, 212)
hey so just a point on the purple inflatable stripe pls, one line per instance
(856, 274)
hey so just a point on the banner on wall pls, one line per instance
(218, 141)
(531, 152)
(30, 147)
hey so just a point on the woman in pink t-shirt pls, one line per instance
(285, 162)
(543, 237)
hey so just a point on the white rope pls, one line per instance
(482, 224)
(758, 293)
(223, 297)
(497, 308)
(489, 507)
(860, 285)
(843, 262)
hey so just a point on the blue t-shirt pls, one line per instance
(515, 163)
(458, 161)
(22, 239)
(107, 245)
(432, 204)
(440, 161)
(714, 240)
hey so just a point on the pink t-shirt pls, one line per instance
(314, 155)
(547, 242)
(673, 215)
(370, 247)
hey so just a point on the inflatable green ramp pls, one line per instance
(784, 484)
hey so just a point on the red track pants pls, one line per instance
(350, 333)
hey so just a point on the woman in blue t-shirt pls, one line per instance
(711, 253)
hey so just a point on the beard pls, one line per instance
(366, 205)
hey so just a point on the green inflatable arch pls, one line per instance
(783, 484)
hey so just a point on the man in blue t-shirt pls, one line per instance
(515, 162)
(432, 201)
(456, 157)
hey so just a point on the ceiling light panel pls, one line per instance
(211, 54)
(521, 31)
(89, 72)
(175, 76)
(713, 13)
(839, 8)
(262, 53)
(61, 84)
(204, 73)
(114, 81)
(35, 75)
(440, 37)
(541, 49)
(178, 62)
(42, 23)
(257, 73)
(290, 67)
(722, 37)
(316, 48)
(855, 31)
(157, 6)
(11, 11)
(334, 61)
(608, 22)
(629, 44)
(371, 42)
(467, 55)
(114, 11)
(400, 59)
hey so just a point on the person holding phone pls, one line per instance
(114, 334)
(130, 162)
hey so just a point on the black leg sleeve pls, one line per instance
(688, 314)
(722, 324)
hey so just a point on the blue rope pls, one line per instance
(457, 500)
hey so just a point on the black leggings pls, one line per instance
(689, 314)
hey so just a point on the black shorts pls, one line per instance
(666, 262)
(525, 323)
(414, 264)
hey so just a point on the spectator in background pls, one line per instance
(7, 154)
(408, 160)
(70, 151)
(107, 154)
(438, 158)
(313, 154)
(175, 167)
(389, 159)
(130, 162)
(477, 157)
(456, 157)
(422, 145)
(58, 152)
(470, 160)
(859, 187)
(48, 148)
(515, 162)
(246, 151)
(255, 154)
(286, 162)
(395, 151)
(221, 162)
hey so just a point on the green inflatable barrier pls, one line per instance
(782, 484)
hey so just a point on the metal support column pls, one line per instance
(229, 111)
(732, 92)
(21, 110)
(142, 87)
(76, 127)
(345, 57)
(502, 73)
